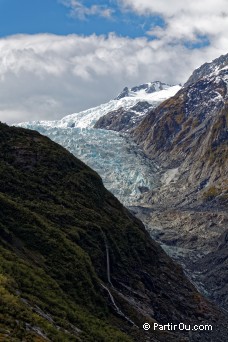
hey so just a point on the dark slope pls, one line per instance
(58, 224)
(215, 277)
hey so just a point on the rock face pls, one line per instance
(197, 239)
(187, 136)
(207, 69)
(122, 120)
(215, 277)
(75, 264)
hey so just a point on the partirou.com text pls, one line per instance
(180, 326)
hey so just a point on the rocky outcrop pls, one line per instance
(207, 69)
(123, 120)
(215, 277)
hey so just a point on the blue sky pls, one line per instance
(26, 16)
(52, 16)
(58, 57)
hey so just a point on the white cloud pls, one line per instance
(46, 76)
(78, 10)
(185, 20)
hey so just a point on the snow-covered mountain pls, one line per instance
(148, 97)
(214, 70)
(144, 90)
(88, 118)
(123, 167)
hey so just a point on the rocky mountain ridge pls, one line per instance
(208, 69)
(188, 135)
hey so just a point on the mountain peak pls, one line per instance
(145, 88)
(208, 69)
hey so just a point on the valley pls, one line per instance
(162, 151)
(76, 265)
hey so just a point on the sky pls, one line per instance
(58, 57)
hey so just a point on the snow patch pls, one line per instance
(169, 176)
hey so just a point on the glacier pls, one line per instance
(124, 168)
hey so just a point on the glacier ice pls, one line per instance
(125, 170)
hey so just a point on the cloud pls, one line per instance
(189, 20)
(47, 76)
(80, 11)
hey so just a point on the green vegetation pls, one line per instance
(43, 268)
(220, 191)
(211, 192)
